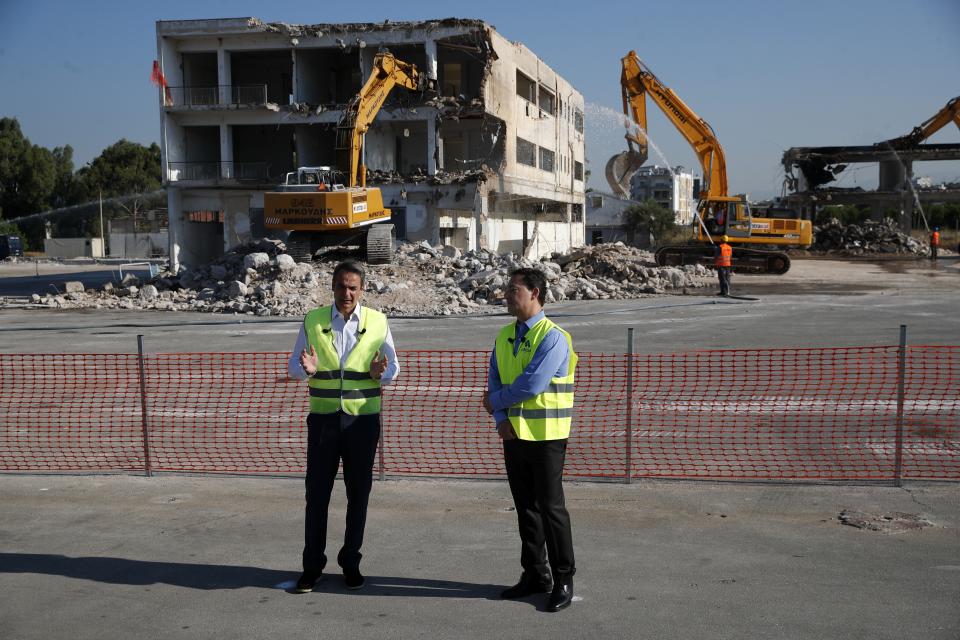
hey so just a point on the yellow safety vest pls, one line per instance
(350, 389)
(545, 416)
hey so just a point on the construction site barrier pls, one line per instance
(837, 414)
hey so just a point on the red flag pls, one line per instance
(157, 78)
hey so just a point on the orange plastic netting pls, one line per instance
(764, 414)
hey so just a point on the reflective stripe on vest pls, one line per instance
(725, 257)
(350, 389)
(548, 415)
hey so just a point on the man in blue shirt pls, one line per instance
(534, 448)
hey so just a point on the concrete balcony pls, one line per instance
(218, 174)
(217, 97)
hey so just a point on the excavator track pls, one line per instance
(299, 246)
(744, 260)
(380, 244)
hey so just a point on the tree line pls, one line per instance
(34, 179)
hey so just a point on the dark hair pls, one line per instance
(350, 267)
(532, 279)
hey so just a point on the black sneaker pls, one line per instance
(307, 581)
(353, 579)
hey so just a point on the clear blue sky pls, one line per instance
(766, 74)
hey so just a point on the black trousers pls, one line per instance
(535, 473)
(333, 437)
(723, 273)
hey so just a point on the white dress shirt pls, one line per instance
(345, 335)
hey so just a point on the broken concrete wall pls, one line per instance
(73, 248)
(541, 146)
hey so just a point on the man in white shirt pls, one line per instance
(346, 353)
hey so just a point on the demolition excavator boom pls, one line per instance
(313, 204)
(949, 113)
(718, 213)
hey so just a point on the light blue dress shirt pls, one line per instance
(550, 360)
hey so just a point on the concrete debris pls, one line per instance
(895, 522)
(441, 177)
(318, 30)
(305, 108)
(869, 238)
(259, 278)
(450, 108)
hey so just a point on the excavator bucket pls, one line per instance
(620, 168)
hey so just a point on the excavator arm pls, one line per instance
(637, 81)
(949, 113)
(387, 73)
(718, 213)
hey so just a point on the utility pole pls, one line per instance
(103, 242)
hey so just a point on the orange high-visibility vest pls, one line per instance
(935, 238)
(725, 257)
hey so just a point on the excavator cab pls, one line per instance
(724, 217)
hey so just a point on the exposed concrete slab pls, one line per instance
(180, 557)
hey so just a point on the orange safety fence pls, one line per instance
(861, 413)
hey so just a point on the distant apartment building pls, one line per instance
(494, 161)
(606, 222)
(672, 189)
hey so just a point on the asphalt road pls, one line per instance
(817, 304)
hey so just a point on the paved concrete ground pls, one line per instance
(180, 557)
(183, 557)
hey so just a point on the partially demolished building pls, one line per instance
(493, 160)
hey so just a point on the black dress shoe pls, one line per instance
(529, 583)
(562, 595)
(306, 582)
(353, 579)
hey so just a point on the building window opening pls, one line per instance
(547, 101)
(526, 152)
(547, 159)
(526, 88)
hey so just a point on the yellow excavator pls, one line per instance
(718, 214)
(315, 205)
(949, 113)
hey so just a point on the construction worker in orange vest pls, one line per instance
(934, 243)
(723, 261)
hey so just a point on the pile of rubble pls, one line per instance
(868, 238)
(258, 278)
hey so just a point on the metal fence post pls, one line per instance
(901, 382)
(628, 433)
(143, 407)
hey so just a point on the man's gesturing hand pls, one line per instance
(378, 365)
(308, 361)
